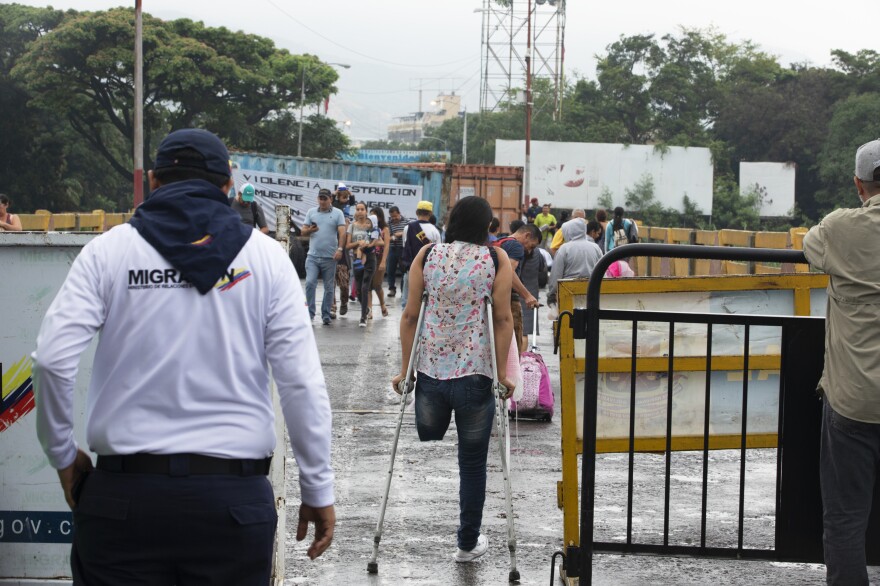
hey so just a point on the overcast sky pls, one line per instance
(396, 46)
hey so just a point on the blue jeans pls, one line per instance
(394, 254)
(325, 268)
(848, 462)
(474, 405)
(404, 290)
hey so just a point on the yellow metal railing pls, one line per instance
(96, 221)
(674, 294)
(677, 267)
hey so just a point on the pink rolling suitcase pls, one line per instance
(537, 398)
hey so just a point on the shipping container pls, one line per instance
(501, 186)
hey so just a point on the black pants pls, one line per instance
(394, 254)
(363, 279)
(848, 463)
(139, 529)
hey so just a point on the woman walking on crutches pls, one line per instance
(454, 361)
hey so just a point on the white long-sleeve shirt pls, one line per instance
(179, 372)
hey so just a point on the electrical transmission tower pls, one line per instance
(514, 33)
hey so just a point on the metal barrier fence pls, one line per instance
(798, 522)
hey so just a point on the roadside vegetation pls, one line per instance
(66, 95)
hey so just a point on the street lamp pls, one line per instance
(445, 147)
(302, 99)
(437, 138)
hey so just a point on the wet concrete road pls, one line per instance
(419, 532)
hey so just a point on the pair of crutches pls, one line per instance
(406, 386)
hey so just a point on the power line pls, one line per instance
(374, 93)
(332, 42)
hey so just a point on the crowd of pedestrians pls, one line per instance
(214, 444)
(362, 253)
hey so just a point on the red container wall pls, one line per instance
(500, 186)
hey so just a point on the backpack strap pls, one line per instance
(430, 247)
(255, 211)
(494, 254)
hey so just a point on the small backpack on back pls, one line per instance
(620, 236)
(624, 235)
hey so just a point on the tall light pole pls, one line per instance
(302, 100)
(138, 105)
(445, 147)
(527, 186)
(464, 140)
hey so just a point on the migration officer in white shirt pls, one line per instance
(193, 307)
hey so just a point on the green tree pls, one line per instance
(862, 69)
(588, 110)
(605, 200)
(641, 203)
(225, 81)
(849, 128)
(691, 215)
(733, 209)
(42, 161)
(781, 116)
(624, 80)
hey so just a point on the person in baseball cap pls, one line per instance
(868, 162)
(250, 211)
(188, 204)
(194, 310)
(193, 148)
(845, 246)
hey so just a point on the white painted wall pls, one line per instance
(35, 521)
(777, 180)
(573, 175)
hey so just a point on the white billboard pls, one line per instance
(575, 174)
(775, 182)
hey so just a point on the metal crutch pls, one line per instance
(408, 386)
(503, 435)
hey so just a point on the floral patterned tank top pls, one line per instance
(454, 341)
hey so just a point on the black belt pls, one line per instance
(182, 465)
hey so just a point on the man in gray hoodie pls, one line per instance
(577, 257)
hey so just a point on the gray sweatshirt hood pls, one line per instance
(575, 229)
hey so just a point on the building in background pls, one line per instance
(414, 127)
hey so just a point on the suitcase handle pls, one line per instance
(533, 337)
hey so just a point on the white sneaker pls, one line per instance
(469, 556)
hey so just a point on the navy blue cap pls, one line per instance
(216, 157)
